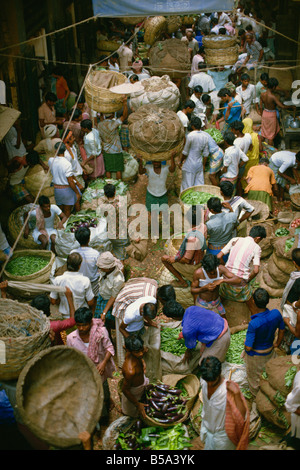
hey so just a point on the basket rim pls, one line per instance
(31, 252)
(46, 435)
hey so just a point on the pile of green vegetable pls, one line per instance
(95, 189)
(82, 219)
(170, 342)
(282, 232)
(153, 438)
(26, 265)
(237, 341)
(215, 134)
(166, 404)
(193, 197)
(289, 376)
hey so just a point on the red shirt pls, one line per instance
(60, 325)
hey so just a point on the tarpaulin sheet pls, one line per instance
(119, 8)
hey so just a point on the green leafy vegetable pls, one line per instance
(282, 232)
(215, 134)
(26, 265)
(289, 244)
(170, 342)
(193, 197)
(236, 347)
(289, 376)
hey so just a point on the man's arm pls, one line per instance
(123, 331)
(127, 385)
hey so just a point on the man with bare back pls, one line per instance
(135, 380)
(268, 110)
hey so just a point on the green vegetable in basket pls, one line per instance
(26, 265)
(193, 197)
(282, 232)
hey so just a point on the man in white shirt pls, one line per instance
(247, 91)
(200, 107)
(286, 167)
(113, 63)
(138, 314)
(79, 284)
(194, 156)
(292, 405)
(203, 79)
(243, 141)
(89, 257)
(184, 113)
(233, 159)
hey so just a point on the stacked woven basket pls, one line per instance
(97, 93)
(220, 50)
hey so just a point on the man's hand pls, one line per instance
(141, 409)
(232, 387)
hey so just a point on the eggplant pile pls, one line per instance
(166, 404)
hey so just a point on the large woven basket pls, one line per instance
(97, 93)
(132, 20)
(191, 385)
(21, 343)
(154, 28)
(108, 46)
(227, 56)
(60, 394)
(204, 188)
(218, 42)
(170, 57)
(40, 277)
(15, 223)
(36, 178)
(173, 23)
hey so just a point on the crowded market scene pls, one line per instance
(150, 229)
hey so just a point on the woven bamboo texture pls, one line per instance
(57, 410)
(97, 93)
(218, 42)
(227, 56)
(40, 277)
(173, 24)
(24, 331)
(132, 20)
(108, 46)
(154, 28)
(15, 223)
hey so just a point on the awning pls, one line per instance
(117, 8)
(8, 117)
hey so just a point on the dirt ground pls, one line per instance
(151, 267)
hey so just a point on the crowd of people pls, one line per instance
(216, 261)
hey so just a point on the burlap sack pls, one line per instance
(279, 246)
(277, 275)
(170, 57)
(283, 264)
(159, 91)
(274, 293)
(276, 369)
(138, 250)
(155, 133)
(268, 279)
(278, 417)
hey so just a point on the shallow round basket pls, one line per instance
(97, 93)
(227, 56)
(204, 188)
(60, 394)
(40, 277)
(218, 42)
(24, 332)
(191, 384)
(261, 211)
(285, 217)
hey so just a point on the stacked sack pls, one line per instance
(276, 272)
(275, 384)
(159, 91)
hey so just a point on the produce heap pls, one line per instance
(26, 265)
(215, 134)
(236, 347)
(139, 437)
(166, 404)
(82, 219)
(95, 189)
(192, 197)
(170, 342)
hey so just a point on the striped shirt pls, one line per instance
(242, 251)
(132, 291)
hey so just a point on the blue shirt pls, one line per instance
(235, 112)
(200, 324)
(261, 330)
(220, 78)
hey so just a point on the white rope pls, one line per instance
(30, 286)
